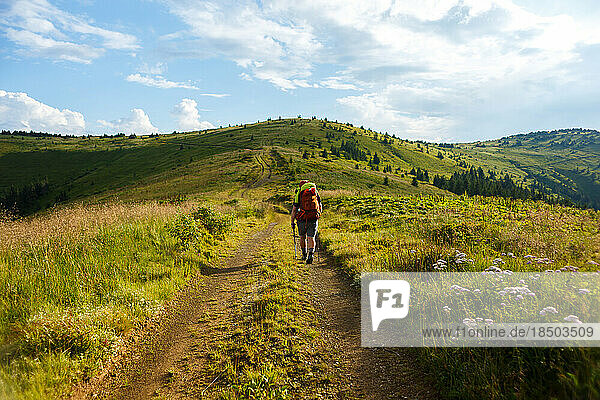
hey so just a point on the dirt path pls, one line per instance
(172, 359)
(265, 175)
(375, 373)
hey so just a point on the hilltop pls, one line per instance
(179, 164)
(38, 171)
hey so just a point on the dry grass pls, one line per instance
(76, 221)
(75, 280)
(338, 193)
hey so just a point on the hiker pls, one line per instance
(306, 211)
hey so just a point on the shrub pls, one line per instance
(213, 221)
(63, 333)
(185, 229)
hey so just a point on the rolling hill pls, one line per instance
(164, 166)
(213, 257)
(38, 172)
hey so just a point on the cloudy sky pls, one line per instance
(446, 70)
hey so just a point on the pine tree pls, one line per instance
(376, 159)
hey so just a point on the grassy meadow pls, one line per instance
(78, 281)
(471, 234)
(107, 229)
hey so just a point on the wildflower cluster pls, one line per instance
(538, 260)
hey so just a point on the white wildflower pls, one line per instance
(548, 310)
(572, 318)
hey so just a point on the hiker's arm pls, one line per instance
(293, 215)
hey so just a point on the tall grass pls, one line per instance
(412, 233)
(75, 282)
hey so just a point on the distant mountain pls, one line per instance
(565, 162)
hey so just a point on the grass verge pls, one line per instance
(72, 293)
(470, 234)
(277, 353)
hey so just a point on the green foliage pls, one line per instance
(274, 352)
(264, 383)
(413, 233)
(25, 199)
(72, 334)
(68, 300)
(185, 229)
(563, 163)
(476, 182)
(214, 222)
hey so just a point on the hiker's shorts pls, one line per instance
(308, 228)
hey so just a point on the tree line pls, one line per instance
(477, 182)
(24, 199)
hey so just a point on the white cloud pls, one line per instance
(46, 47)
(18, 111)
(188, 118)
(269, 48)
(162, 83)
(159, 82)
(156, 69)
(379, 111)
(337, 83)
(40, 29)
(448, 57)
(137, 122)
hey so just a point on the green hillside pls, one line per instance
(564, 162)
(163, 213)
(164, 166)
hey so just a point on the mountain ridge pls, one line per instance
(563, 163)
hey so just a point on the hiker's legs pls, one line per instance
(302, 234)
(303, 242)
(311, 232)
(303, 246)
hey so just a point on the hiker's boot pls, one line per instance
(309, 258)
(303, 254)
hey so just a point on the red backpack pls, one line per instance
(309, 204)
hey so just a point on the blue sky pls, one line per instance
(446, 70)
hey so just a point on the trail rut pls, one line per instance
(171, 359)
(376, 373)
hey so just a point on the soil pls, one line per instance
(376, 373)
(171, 358)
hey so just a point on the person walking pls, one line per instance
(306, 210)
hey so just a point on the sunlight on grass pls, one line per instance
(462, 234)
